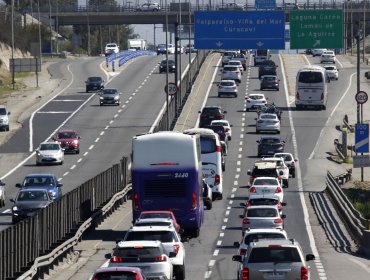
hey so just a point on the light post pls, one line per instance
(88, 27)
(13, 80)
(57, 25)
(51, 30)
(167, 95)
(39, 26)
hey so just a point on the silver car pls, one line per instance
(228, 88)
(268, 122)
(109, 96)
(274, 259)
(262, 217)
(230, 72)
(49, 153)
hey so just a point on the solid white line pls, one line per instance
(207, 274)
(55, 112)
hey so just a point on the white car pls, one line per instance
(49, 153)
(111, 48)
(237, 63)
(227, 56)
(152, 7)
(255, 101)
(227, 87)
(328, 56)
(332, 72)
(149, 256)
(318, 52)
(267, 185)
(289, 160)
(180, 49)
(281, 167)
(230, 72)
(171, 242)
(268, 122)
(263, 199)
(226, 125)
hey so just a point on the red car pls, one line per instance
(160, 214)
(115, 272)
(69, 140)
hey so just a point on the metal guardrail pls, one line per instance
(353, 218)
(338, 149)
(347, 125)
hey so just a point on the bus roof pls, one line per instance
(312, 68)
(165, 148)
(193, 131)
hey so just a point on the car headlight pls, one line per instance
(116, 97)
(53, 193)
(75, 142)
(15, 208)
(5, 121)
(101, 97)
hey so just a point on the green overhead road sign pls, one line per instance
(316, 29)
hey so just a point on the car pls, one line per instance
(263, 168)
(281, 167)
(332, 72)
(270, 82)
(94, 83)
(48, 182)
(123, 273)
(255, 101)
(238, 63)
(290, 161)
(276, 259)
(170, 240)
(255, 199)
(267, 122)
(263, 217)
(308, 51)
(241, 57)
(328, 56)
(226, 124)
(252, 235)
(28, 202)
(69, 140)
(171, 66)
(160, 214)
(180, 49)
(2, 193)
(227, 56)
(190, 49)
(149, 7)
(163, 49)
(49, 153)
(109, 96)
(207, 195)
(269, 145)
(227, 88)
(4, 118)
(267, 186)
(230, 72)
(149, 256)
(318, 52)
(210, 113)
(223, 154)
(111, 48)
(266, 67)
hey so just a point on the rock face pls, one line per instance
(6, 54)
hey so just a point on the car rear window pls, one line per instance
(231, 68)
(268, 172)
(270, 141)
(261, 212)
(269, 78)
(263, 235)
(155, 215)
(163, 236)
(150, 223)
(115, 275)
(211, 111)
(138, 252)
(274, 255)
(263, 201)
(269, 117)
(95, 79)
(256, 97)
(207, 145)
(227, 83)
(265, 181)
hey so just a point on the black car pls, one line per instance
(269, 145)
(270, 82)
(28, 202)
(163, 66)
(94, 83)
(210, 113)
(266, 67)
(109, 96)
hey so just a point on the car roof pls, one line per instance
(267, 114)
(152, 228)
(66, 130)
(220, 121)
(256, 94)
(143, 243)
(193, 131)
(266, 230)
(267, 177)
(213, 106)
(50, 142)
(148, 220)
(272, 158)
(282, 242)
(262, 207)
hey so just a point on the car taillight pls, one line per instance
(137, 277)
(245, 274)
(160, 259)
(278, 221)
(245, 221)
(278, 190)
(75, 142)
(253, 190)
(115, 259)
(251, 179)
(297, 96)
(279, 206)
(227, 129)
(243, 251)
(176, 248)
(304, 273)
(248, 204)
(136, 202)
(193, 200)
(217, 179)
(322, 96)
(218, 149)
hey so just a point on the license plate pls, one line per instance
(144, 267)
(265, 191)
(274, 275)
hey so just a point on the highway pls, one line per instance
(106, 136)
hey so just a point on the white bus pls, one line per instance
(311, 87)
(210, 147)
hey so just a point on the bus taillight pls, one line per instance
(136, 202)
(217, 179)
(194, 200)
(322, 96)
(297, 96)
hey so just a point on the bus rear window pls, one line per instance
(207, 145)
(165, 188)
(310, 77)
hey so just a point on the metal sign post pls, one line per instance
(362, 130)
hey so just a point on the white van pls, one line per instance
(311, 87)
(210, 147)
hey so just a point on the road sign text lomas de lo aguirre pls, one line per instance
(316, 29)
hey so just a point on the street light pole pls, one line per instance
(51, 30)
(167, 95)
(13, 74)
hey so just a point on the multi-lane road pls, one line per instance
(106, 136)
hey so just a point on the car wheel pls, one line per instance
(2, 203)
(259, 155)
(180, 272)
(78, 151)
(61, 163)
(87, 90)
(286, 183)
(220, 196)
(235, 95)
(37, 163)
(101, 104)
(277, 131)
(195, 232)
(261, 88)
(336, 79)
(14, 220)
(219, 95)
(277, 89)
(257, 131)
(293, 174)
(323, 107)
(7, 128)
(223, 167)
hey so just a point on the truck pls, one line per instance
(136, 44)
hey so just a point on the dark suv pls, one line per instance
(171, 66)
(210, 113)
(269, 145)
(94, 83)
(266, 67)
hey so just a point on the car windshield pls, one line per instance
(229, 54)
(66, 135)
(110, 91)
(115, 275)
(256, 97)
(162, 46)
(163, 236)
(274, 254)
(32, 195)
(2, 111)
(38, 181)
(263, 235)
(47, 147)
(270, 140)
(265, 181)
(263, 201)
(224, 84)
(154, 215)
(95, 79)
(262, 213)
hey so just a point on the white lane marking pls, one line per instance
(60, 179)
(207, 274)
(222, 234)
(85, 154)
(235, 183)
(240, 149)
(115, 116)
(219, 242)
(73, 166)
(232, 196)
(240, 156)
(211, 263)
(120, 110)
(299, 175)
(238, 169)
(225, 220)
(91, 147)
(111, 121)
(238, 162)
(227, 213)
(241, 143)
(97, 140)
(55, 112)
(102, 133)
(331, 115)
(340, 64)
(230, 202)
(362, 265)
(215, 253)
(228, 208)
(242, 129)
(123, 106)
(68, 100)
(79, 160)
(241, 136)
(223, 228)
(237, 176)
(65, 173)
